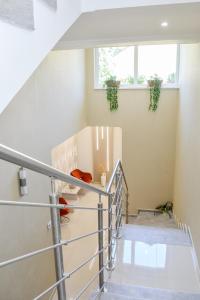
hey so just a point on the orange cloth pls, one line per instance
(63, 211)
(84, 176)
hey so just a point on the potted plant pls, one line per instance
(112, 87)
(154, 84)
(166, 208)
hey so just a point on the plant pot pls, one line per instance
(112, 83)
(154, 83)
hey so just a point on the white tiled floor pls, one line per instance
(155, 265)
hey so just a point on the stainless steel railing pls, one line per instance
(116, 192)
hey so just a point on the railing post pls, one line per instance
(58, 255)
(100, 245)
(110, 266)
(127, 207)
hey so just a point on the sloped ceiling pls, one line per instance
(135, 24)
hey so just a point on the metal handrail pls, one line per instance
(88, 284)
(17, 158)
(118, 165)
(25, 161)
(45, 205)
(42, 250)
(110, 183)
(32, 164)
(51, 287)
(87, 261)
(124, 177)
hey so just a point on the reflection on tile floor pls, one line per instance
(155, 265)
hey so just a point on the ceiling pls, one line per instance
(134, 25)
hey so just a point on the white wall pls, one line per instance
(148, 139)
(23, 50)
(49, 109)
(187, 187)
(85, 150)
(75, 152)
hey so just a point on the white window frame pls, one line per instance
(135, 85)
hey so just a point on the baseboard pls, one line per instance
(187, 230)
(181, 225)
(130, 215)
(194, 254)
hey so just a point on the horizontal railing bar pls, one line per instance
(28, 255)
(20, 159)
(62, 243)
(88, 284)
(65, 276)
(51, 287)
(86, 235)
(108, 189)
(45, 205)
(87, 261)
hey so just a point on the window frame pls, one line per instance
(97, 86)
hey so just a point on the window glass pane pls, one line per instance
(116, 62)
(159, 60)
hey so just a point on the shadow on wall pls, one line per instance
(93, 149)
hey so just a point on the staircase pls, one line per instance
(153, 263)
(137, 262)
(29, 29)
(116, 291)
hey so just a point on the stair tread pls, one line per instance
(145, 293)
(148, 234)
(114, 296)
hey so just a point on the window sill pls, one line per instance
(141, 87)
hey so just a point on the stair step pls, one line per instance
(145, 293)
(18, 13)
(148, 234)
(112, 296)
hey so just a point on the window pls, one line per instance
(157, 59)
(134, 65)
(116, 62)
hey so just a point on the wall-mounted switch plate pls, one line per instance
(49, 225)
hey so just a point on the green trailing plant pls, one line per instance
(166, 208)
(112, 87)
(155, 84)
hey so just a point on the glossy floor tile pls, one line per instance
(152, 235)
(155, 265)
